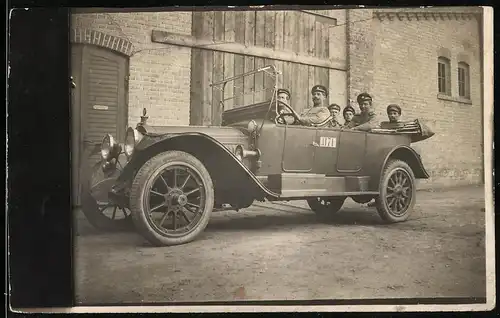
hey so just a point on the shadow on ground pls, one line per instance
(263, 222)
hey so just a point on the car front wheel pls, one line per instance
(171, 198)
(325, 207)
(397, 192)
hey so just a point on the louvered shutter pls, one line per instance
(105, 96)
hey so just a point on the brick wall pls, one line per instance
(360, 46)
(405, 64)
(338, 49)
(159, 74)
(396, 62)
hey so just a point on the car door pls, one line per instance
(351, 152)
(326, 150)
(298, 148)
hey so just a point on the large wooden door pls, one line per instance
(304, 33)
(100, 101)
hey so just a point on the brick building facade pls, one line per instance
(409, 49)
(157, 73)
(392, 54)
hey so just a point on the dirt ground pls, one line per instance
(280, 251)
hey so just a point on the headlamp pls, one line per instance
(132, 138)
(252, 126)
(108, 146)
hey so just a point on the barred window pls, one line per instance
(444, 76)
(463, 80)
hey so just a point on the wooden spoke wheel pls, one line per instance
(397, 192)
(96, 206)
(172, 198)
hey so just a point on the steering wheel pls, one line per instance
(281, 115)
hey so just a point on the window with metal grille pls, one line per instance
(444, 79)
(463, 80)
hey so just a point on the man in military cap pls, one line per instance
(334, 112)
(366, 120)
(319, 112)
(348, 114)
(394, 113)
(284, 97)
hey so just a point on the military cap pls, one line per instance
(364, 97)
(347, 109)
(334, 106)
(319, 88)
(284, 90)
(394, 107)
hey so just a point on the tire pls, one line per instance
(397, 192)
(326, 207)
(150, 185)
(95, 207)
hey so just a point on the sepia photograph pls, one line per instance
(256, 154)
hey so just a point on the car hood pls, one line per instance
(225, 135)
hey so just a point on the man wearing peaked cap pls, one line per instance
(334, 108)
(284, 97)
(319, 112)
(334, 111)
(394, 113)
(348, 114)
(364, 98)
(319, 88)
(366, 120)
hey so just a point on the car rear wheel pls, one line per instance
(397, 192)
(325, 207)
(171, 199)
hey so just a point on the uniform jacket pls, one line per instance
(314, 115)
(366, 121)
(350, 124)
(334, 123)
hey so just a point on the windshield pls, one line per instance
(250, 88)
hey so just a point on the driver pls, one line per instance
(319, 112)
(284, 97)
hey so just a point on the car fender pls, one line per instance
(408, 155)
(194, 143)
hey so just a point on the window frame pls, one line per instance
(444, 76)
(463, 69)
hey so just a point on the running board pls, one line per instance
(296, 185)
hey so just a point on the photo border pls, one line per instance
(54, 202)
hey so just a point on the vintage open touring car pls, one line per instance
(168, 180)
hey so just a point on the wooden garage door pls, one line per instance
(99, 103)
(104, 105)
